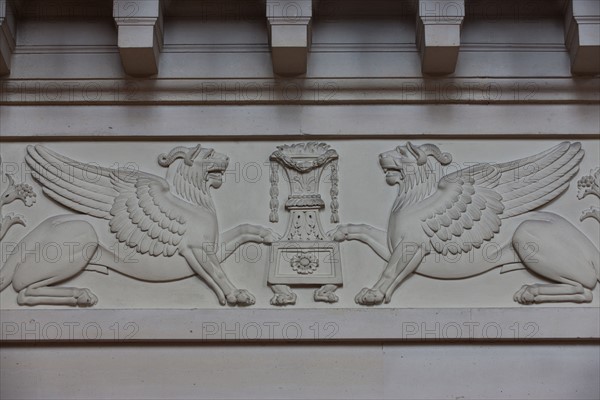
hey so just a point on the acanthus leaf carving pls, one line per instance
(589, 184)
(14, 192)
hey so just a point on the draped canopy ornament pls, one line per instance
(304, 164)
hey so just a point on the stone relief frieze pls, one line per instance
(451, 222)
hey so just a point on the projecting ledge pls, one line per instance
(420, 325)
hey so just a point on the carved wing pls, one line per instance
(473, 201)
(141, 211)
(465, 215)
(532, 182)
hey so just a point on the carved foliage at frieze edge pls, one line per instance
(589, 184)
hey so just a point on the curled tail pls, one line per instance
(595, 261)
(10, 266)
(9, 256)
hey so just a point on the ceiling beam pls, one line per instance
(289, 23)
(439, 24)
(7, 35)
(140, 35)
(582, 36)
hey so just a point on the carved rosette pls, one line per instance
(304, 263)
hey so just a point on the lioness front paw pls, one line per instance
(240, 297)
(338, 234)
(369, 297)
(269, 236)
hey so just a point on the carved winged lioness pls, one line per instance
(156, 231)
(479, 218)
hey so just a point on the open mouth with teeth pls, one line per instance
(390, 168)
(217, 170)
(216, 175)
(393, 171)
(216, 164)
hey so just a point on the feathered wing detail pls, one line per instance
(81, 187)
(141, 211)
(473, 201)
(531, 182)
(465, 216)
(143, 216)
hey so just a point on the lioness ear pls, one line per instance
(166, 159)
(195, 151)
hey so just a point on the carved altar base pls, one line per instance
(304, 257)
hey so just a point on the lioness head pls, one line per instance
(199, 165)
(409, 161)
(194, 171)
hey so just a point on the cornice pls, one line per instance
(320, 91)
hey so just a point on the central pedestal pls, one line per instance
(304, 256)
